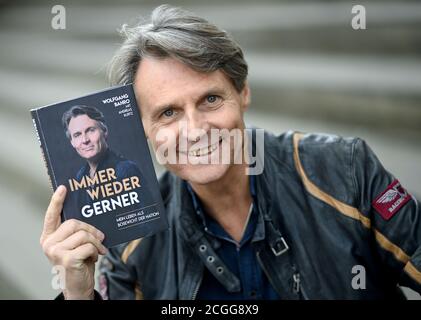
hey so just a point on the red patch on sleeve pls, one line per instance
(391, 200)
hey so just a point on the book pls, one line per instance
(95, 145)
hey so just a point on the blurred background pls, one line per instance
(309, 71)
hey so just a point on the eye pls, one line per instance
(211, 98)
(168, 113)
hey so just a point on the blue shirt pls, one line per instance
(240, 258)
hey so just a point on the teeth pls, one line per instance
(203, 151)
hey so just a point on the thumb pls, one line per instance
(52, 216)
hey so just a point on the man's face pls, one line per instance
(87, 137)
(169, 94)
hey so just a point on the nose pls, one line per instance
(197, 124)
(85, 139)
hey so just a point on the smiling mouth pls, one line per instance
(204, 151)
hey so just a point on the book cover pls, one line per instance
(95, 145)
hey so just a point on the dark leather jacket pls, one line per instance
(316, 225)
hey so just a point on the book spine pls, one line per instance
(35, 121)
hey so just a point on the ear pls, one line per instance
(245, 96)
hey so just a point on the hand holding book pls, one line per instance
(106, 190)
(74, 245)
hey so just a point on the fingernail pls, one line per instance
(60, 190)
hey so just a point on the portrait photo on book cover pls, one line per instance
(105, 172)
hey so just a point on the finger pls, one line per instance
(81, 237)
(52, 215)
(72, 226)
(85, 251)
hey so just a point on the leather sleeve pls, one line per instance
(396, 227)
(117, 279)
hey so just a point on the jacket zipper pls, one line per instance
(298, 288)
(196, 289)
(297, 283)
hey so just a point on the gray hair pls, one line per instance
(179, 34)
(79, 110)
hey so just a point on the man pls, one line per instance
(322, 205)
(87, 131)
